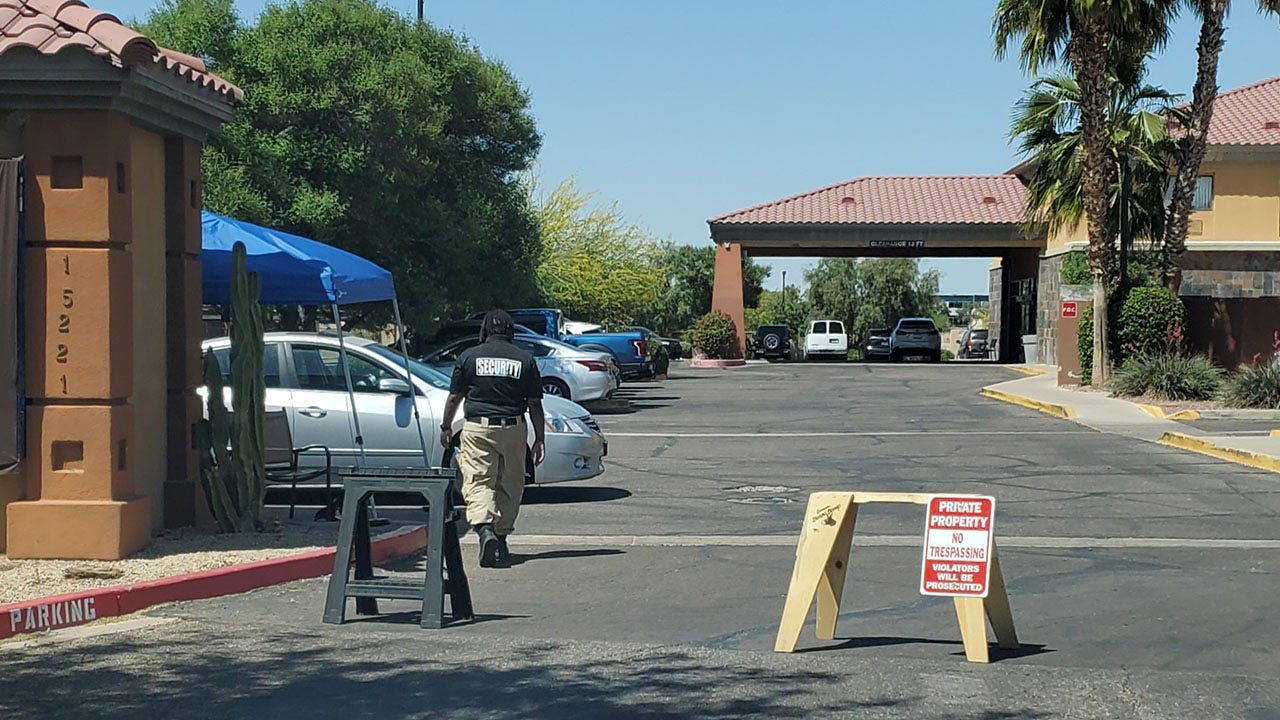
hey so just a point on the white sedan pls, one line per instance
(304, 377)
(568, 372)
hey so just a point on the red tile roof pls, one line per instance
(1247, 116)
(931, 200)
(53, 26)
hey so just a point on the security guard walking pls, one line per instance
(499, 382)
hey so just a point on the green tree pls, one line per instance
(1191, 145)
(868, 294)
(595, 265)
(372, 132)
(687, 287)
(1089, 35)
(1046, 124)
(790, 308)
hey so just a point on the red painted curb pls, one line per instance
(717, 363)
(71, 609)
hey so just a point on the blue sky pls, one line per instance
(682, 110)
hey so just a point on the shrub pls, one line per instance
(947, 355)
(1253, 387)
(1084, 346)
(713, 334)
(1149, 318)
(1075, 269)
(1168, 375)
(1143, 268)
(661, 357)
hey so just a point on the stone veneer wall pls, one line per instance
(994, 305)
(1048, 300)
(1231, 274)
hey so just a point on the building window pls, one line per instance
(1203, 199)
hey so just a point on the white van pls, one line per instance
(826, 339)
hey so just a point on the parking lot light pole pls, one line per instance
(784, 298)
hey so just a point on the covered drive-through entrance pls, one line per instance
(940, 216)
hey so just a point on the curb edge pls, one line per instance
(716, 364)
(117, 600)
(1203, 447)
(1027, 370)
(1058, 411)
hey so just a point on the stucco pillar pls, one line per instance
(80, 496)
(182, 497)
(726, 292)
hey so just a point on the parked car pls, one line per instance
(304, 376)
(826, 339)
(568, 372)
(973, 344)
(675, 350)
(915, 338)
(451, 331)
(629, 349)
(772, 342)
(876, 346)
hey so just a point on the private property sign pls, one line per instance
(957, 546)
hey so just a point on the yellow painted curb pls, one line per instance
(1240, 457)
(1154, 411)
(1275, 433)
(1158, 412)
(1061, 411)
(1025, 369)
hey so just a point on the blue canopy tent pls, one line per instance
(300, 271)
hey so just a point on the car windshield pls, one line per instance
(918, 325)
(432, 377)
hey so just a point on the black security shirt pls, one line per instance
(497, 379)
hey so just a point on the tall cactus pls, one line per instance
(231, 445)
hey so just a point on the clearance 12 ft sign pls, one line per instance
(957, 546)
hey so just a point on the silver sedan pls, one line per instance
(304, 377)
(568, 372)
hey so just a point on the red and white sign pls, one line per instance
(957, 545)
(1069, 309)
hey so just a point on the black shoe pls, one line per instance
(489, 547)
(504, 552)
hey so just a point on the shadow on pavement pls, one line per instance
(356, 673)
(519, 558)
(557, 495)
(414, 617)
(996, 653)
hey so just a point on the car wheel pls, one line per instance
(556, 387)
(895, 356)
(772, 341)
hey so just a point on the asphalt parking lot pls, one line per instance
(1142, 580)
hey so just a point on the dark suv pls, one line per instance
(772, 342)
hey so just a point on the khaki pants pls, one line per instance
(492, 463)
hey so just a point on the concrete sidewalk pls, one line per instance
(1107, 414)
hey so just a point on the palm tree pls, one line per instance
(1046, 124)
(1089, 33)
(1191, 146)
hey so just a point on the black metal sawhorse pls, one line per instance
(444, 555)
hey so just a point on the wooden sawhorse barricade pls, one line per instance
(822, 560)
(443, 552)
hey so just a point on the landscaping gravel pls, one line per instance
(171, 552)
